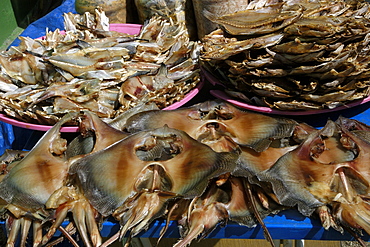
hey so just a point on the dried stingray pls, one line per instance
(31, 181)
(137, 184)
(327, 172)
(221, 202)
(40, 191)
(259, 130)
(94, 135)
(215, 123)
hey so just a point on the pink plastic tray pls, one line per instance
(31, 126)
(187, 97)
(222, 95)
(131, 29)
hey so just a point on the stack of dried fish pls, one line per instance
(91, 68)
(293, 55)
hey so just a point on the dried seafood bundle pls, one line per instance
(292, 55)
(91, 68)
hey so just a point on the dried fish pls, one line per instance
(215, 7)
(26, 189)
(320, 44)
(204, 118)
(149, 177)
(221, 174)
(328, 172)
(91, 68)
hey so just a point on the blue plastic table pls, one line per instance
(288, 224)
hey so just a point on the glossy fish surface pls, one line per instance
(134, 158)
(327, 169)
(243, 127)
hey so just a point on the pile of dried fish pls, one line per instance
(209, 176)
(258, 139)
(292, 55)
(192, 165)
(91, 68)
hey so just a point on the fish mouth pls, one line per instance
(161, 147)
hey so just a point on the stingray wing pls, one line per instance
(245, 128)
(251, 162)
(107, 176)
(195, 165)
(30, 182)
(178, 119)
(110, 176)
(256, 130)
(300, 173)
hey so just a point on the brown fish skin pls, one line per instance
(305, 170)
(216, 7)
(31, 181)
(104, 133)
(250, 162)
(221, 203)
(144, 171)
(126, 168)
(68, 198)
(204, 214)
(258, 130)
(330, 169)
(351, 209)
